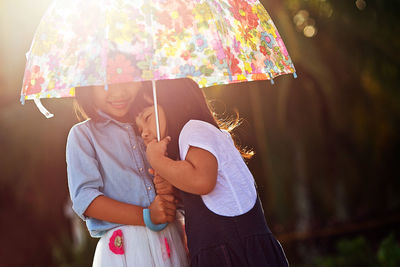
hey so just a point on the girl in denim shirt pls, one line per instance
(224, 220)
(111, 189)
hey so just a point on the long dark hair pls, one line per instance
(182, 101)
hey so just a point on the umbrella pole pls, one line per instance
(153, 82)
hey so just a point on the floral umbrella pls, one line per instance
(100, 42)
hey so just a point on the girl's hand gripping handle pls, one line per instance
(156, 150)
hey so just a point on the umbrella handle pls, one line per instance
(153, 82)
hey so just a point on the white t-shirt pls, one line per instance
(234, 193)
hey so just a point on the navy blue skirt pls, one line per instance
(215, 240)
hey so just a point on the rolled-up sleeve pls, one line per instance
(84, 178)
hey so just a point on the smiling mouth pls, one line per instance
(121, 104)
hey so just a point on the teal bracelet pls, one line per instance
(150, 224)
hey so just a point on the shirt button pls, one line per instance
(149, 187)
(140, 169)
(134, 147)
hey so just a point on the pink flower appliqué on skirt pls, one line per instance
(167, 247)
(116, 242)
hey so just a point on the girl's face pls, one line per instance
(146, 123)
(116, 100)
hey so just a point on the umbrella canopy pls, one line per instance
(100, 42)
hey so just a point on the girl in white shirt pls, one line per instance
(224, 220)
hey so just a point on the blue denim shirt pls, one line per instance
(106, 158)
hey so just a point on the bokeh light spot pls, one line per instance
(361, 4)
(310, 31)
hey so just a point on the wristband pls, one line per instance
(150, 224)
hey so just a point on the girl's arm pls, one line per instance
(197, 174)
(84, 181)
(106, 209)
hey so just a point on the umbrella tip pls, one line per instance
(230, 75)
(22, 99)
(272, 81)
(295, 75)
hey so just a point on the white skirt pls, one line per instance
(142, 247)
